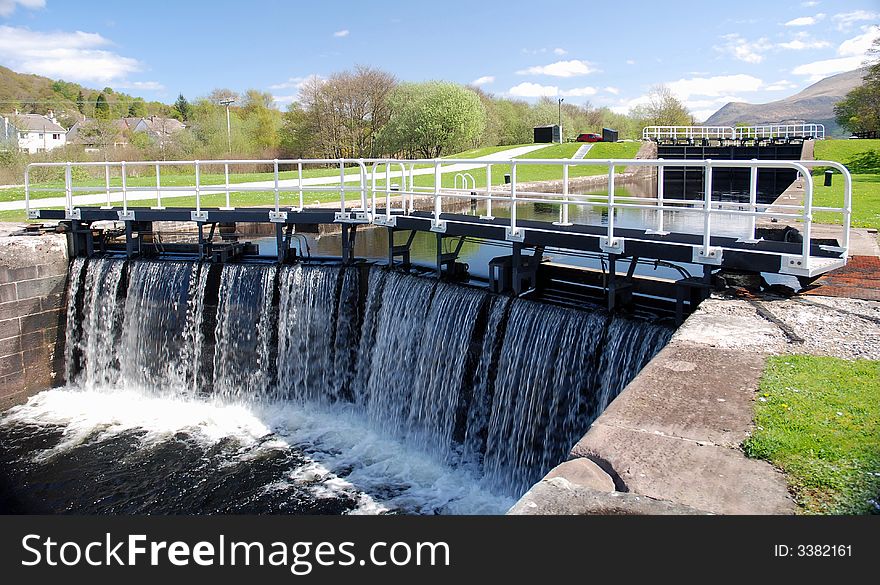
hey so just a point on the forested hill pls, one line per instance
(70, 101)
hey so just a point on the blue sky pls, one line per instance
(607, 53)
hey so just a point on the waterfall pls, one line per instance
(499, 387)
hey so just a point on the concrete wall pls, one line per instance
(33, 280)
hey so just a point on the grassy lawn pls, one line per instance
(862, 158)
(818, 419)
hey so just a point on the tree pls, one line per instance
(102, 108)
(137, 109)
(663, 109)
(102, 133)
(430, 118)
(181, 107)
(81, 102)
(860, 109)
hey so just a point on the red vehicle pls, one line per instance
(589, 137)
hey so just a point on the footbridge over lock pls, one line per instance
(539, 209)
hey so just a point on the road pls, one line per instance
(285, 184)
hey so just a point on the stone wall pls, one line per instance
(33, 280)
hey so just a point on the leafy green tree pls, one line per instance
(860, 109)
(182, 108)
(138, 108)
(102, 108)
(663, 109)
(81, 102)
(431, 118)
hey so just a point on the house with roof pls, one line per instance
(32, 133)
(84, 132)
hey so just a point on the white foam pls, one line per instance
(345, 455)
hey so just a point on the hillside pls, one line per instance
(813, 104)
(36, 94)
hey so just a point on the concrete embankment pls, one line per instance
(33, 280)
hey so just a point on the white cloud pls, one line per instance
(483, 80)
(630, 62)
(714, 86)
(291, 83)
(810, 3)
(341, 33)
(744, 50)
(285, 99)
(571, 68)
(845, 20)
(612, 90)
(560, 52)
(802, 42)
(852, 54)
(858, 46)
(780, 85)
(579, 92)
(820, 69)
(141, 85)
(75, 56)
(528, 89)
(7, 7)
(805, 20)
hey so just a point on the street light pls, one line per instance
(559, 101)
(227, 102)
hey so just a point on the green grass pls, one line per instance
(865, 200)
(862, 158)
(486, 151)
(818, 419)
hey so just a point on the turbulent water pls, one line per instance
(308, 389)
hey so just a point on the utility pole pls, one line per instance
(559, 103)
(227, 102)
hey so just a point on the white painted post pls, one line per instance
(753, 198)
(299, 174)
(68, 188)
(226, 184)
(158, 189)
(438, 204)
(707, 209)
(342, 185)
(611, 203)
(277, 194)
(198, 188)
(489, 192)
(808, 217)
(107, 185)
(124, 189)
(661, 170)
(513, 197)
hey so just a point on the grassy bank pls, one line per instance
(862, 158)
(818, 419)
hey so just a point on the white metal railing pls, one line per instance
(782, 131)
(288, 195)
(687, 132)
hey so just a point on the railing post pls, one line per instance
(489, 192)
(27, 190)
(198, 187)
(125, 188)
(611, 204)
(513, 197)
(299, 174)
(661, 171)
(707, 209)
(563, 211)
(107, 185)
(277, 194)
(158, 188)
(341, 185)
(412, 188)
(808, 216)
(226, 184)
(753, 197)
(68, 188)
(438, 204)
(388, 190)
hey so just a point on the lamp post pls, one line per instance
(559, 103)
(227, 102)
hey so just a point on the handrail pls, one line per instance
(366, 186)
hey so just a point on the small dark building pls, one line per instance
(548, 133)
(609, 135)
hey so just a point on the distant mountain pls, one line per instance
(813, 104)
(34, 94)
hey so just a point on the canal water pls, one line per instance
(253, 388)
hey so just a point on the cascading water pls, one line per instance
(380, 387)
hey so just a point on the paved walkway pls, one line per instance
(285, 184)
(582, 151)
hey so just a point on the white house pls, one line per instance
(33, 133)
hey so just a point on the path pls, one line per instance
(285, 184)
(582, 151)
